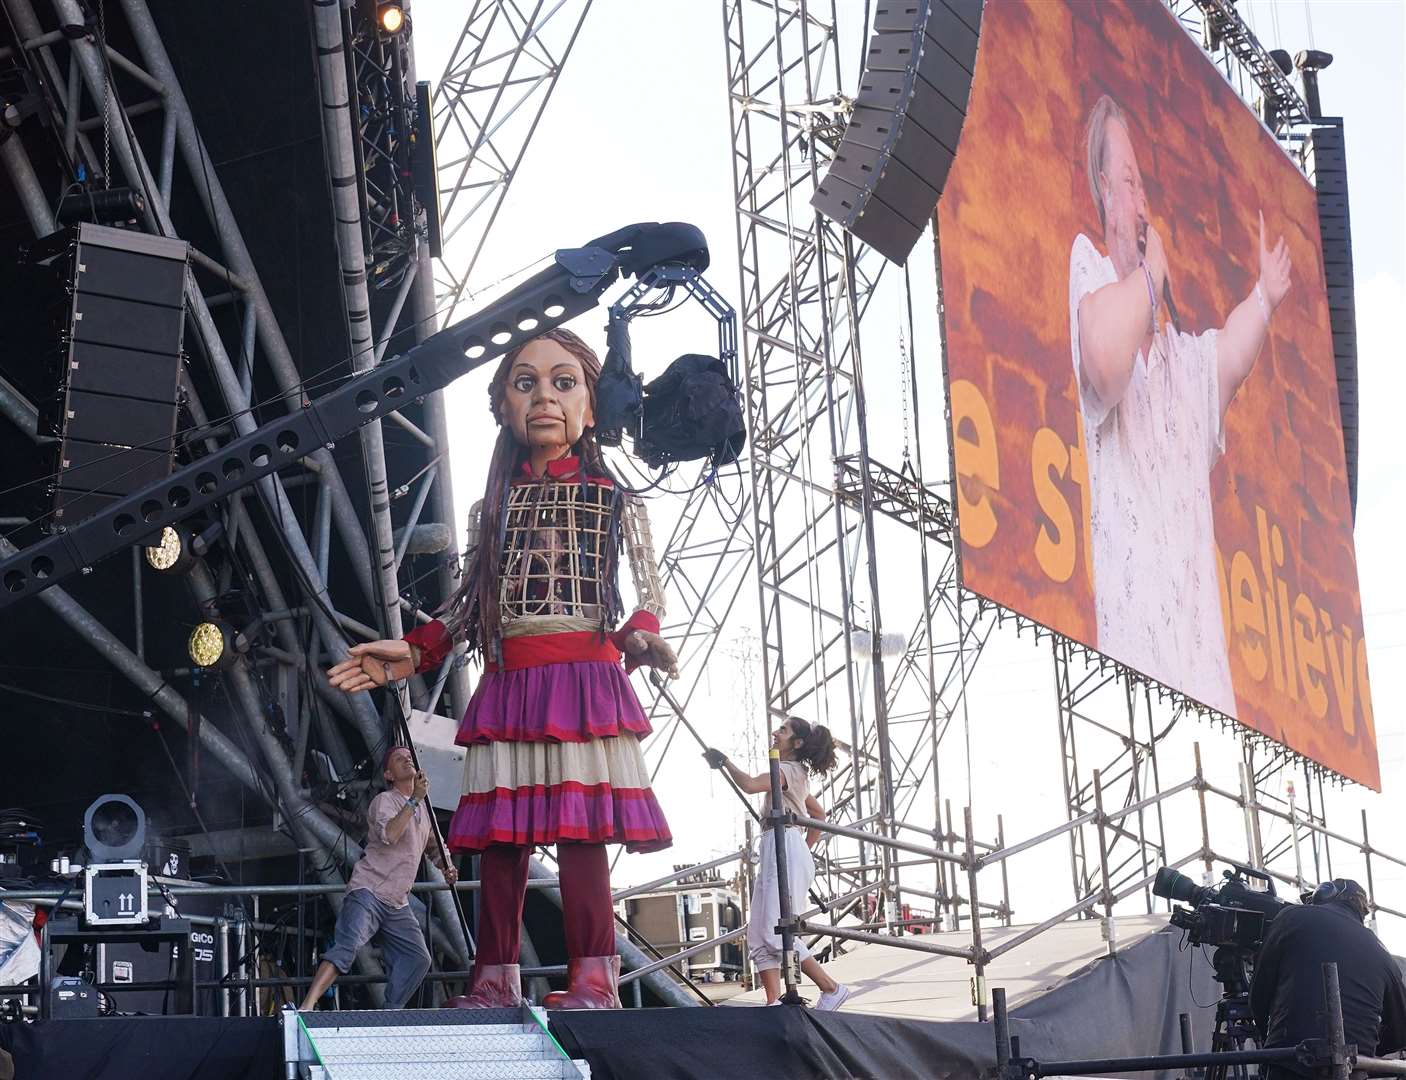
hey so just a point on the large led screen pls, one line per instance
(1147, 444)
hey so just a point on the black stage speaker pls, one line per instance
(114, 362)
(892, 163)
(1325, 161)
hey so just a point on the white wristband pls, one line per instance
(1264, 307)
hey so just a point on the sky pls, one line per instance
(638, 130)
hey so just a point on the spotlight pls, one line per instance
(390, 18)
(177, 547)
(171, 554)
(211, 645)
(115, 881)
(1310, 62)
(114, 829)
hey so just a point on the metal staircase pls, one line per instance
(407, 1044)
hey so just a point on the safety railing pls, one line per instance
(973, 857)
(238, 982)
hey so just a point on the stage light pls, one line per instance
(1310, 62)
(177, 547)
(390, 18)
(114, 829)
(115, 879)
(211, 645)
(171, 553)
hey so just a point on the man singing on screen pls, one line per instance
(1154, 397)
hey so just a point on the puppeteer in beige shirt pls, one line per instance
(388, 869)
(795, 786)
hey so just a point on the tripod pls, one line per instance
(1234, 1025)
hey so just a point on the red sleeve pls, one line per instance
(434, 642)
(640, 620)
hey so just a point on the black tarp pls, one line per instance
(146, 1048)
(1119, 1005)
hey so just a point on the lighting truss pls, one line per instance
(487, 106)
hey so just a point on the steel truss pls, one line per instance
(75, 73)
(487, 106)
(818, 503)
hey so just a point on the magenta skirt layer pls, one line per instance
(529, 816)
(567, 702)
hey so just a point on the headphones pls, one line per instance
(1337, 889)
(1327, 892)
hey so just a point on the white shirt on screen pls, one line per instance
(1150, 456)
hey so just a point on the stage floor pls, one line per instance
(921, 986)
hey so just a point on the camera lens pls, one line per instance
(1173, 885)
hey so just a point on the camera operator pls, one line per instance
(1286, 994)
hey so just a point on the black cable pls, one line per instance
(84, 705)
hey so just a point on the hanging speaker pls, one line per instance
(115, 360)
(891, 165)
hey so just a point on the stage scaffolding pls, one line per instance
(818, 500)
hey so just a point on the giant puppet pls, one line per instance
(552, 731)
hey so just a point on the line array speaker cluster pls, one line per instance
(1325, 160)
(891, 165)
(114, 365)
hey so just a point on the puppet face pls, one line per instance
(546, 401)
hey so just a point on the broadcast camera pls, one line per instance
(1230, 915)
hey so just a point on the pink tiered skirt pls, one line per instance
(552, 753)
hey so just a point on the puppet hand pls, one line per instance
(651, 650)
(371, 664)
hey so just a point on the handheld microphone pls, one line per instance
(1171, 305)
(1166, 284)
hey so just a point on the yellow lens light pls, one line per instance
(207, 645)
(166, 552)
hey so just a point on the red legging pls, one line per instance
(586, 906)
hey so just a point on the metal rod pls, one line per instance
(1105, 891)
(1001, 1026)
(1003, 947)
(675, 958)
(776, 822)
(138, 623)
(913, 943)
(877, 838)
(696, 868)
(1337, 1038)
(408, 529)
(1201, 799)
(1034, 841)
(978, 954)
(1151, 800)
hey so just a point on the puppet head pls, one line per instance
(544, 391)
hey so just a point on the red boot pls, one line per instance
(496, 986)
(593, 982)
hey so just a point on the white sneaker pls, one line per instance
(833, 999)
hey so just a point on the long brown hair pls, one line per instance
(473, 609)
(817, 747)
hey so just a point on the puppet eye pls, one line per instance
(566, 382)
(523, 383)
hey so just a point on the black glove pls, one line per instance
(716, 759)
